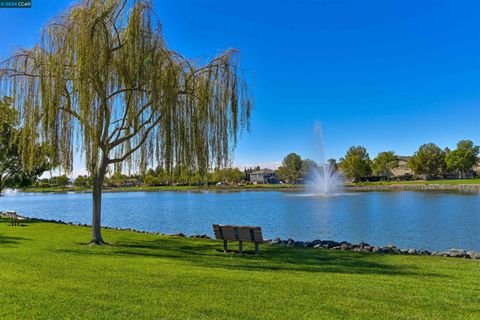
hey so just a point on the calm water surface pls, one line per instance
(422, 220)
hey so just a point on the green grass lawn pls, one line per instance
(47, 272)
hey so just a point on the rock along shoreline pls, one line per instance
(316, 244)
(418, 187)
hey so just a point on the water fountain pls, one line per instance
(323, 179)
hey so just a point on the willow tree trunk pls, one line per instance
(98, 179)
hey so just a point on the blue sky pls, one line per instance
(389, 75)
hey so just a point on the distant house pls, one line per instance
(403, 169)
(476, 168)
(264, 176)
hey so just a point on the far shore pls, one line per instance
(472, 185)
(258, 187)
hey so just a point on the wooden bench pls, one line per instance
(240, 234)
(12, 215)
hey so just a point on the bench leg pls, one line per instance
(225, 246)
(257, 248)
(240, 247)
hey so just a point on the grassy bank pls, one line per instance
(169, 188)
(260, 187)
(47, 272)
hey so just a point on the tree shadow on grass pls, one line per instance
(8, 240)
(206, 253)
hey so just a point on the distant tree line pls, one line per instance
(152, 178)
(429, 160)
(183, 176)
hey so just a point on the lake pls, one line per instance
(421, 220)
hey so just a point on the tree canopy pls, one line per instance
(356, 163)
(102, 80)
(462, 159)
(291, 169)
(332, 163)
(429, 159)
(384, 163)
(307, 166)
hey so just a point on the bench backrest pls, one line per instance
(238, 233)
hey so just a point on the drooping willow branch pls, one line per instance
(102, 78)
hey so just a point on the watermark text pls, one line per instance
(15, 4)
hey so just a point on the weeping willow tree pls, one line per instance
(102, 82)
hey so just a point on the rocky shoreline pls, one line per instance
(316, 244)
(365, 247)
(417, 187)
